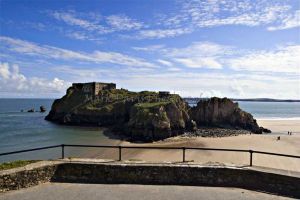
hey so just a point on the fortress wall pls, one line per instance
(94, 87)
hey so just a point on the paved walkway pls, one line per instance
(63, 191)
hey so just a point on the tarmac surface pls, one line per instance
(63, 191)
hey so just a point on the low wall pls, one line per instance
(30, 175)
(156, 174)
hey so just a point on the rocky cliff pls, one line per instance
(147, 115)
(140, 115)
(217, 112)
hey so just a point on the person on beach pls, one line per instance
(278, 138)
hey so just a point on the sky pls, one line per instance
(195, 48)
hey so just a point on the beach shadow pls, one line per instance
(117, 136)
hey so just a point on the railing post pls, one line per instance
(251, 152)
(183, 154)
(120, 153)
(62, 151)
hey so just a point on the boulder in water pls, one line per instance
(42, 109)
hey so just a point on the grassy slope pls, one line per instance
(14, 164)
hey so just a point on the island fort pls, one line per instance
(146, 115)
(93, 87)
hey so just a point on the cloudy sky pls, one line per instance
(233, 48)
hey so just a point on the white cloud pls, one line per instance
(197, 49)
(261, 17)
(216, 56)
(93, 24)
(211, 13)
(174, 69)
(162, 33)
(283, 59)
(4, 71)
(291, 21)
(165, 62)
(14, 83)
(122, 22)
(82, 36)
(29, 48)
(149, 48)
(208, 62)
(71, 19)
(191, 15)
(199, 55)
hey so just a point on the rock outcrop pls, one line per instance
(142, 116)
(147, 115)
(42, 109)
(217, 112)
(31, 110)
(158, 120)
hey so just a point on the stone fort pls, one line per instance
(93, 87)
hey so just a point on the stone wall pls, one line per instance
(156, 174)
(27, 176)
(179, 175)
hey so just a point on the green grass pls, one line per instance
(14, 164)
(154, 104)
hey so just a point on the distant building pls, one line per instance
(163, 93)
(93, 87)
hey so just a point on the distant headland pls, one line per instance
(195, 99)
(146, 115)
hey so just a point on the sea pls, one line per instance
(23, 130)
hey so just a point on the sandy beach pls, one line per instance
(267, 142)
(281, 126)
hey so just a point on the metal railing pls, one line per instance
(62, 146)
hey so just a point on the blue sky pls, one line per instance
(233, 48)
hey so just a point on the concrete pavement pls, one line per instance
(63, 191)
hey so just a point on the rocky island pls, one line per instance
(145, 115)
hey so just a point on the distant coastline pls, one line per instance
(195, 99)
(189, 99)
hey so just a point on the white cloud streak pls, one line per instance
(122, 22)
(29, 48)
(82, 36)
(71, 19)
(108, 24)
(165, 62)
(162, 33)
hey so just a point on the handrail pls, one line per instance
(155, 147)
(277, 154)
(149, 147)
(27, 150)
